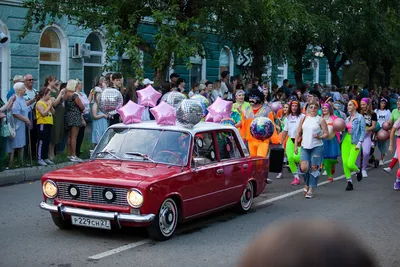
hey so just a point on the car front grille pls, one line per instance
(92, 194)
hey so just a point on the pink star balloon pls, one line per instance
(164, 114)
(131, 112)
(148, 96)
(209, 118)
(220, 109)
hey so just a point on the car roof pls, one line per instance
(200, 127)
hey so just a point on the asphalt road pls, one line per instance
(28, 236)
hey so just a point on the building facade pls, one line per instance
(52, 51)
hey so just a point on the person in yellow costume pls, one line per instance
(258, 109)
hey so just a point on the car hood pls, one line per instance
(114, 172)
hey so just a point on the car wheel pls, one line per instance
(246, 200)
(60, 223)
(164, 224)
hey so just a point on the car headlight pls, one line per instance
(134, 198)
(50, 189)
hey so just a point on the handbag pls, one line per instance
(11, 125)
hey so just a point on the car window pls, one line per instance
(227, 146)
(204, 149)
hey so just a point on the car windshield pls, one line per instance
(147, 145)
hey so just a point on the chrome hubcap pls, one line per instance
(168, 217)
(247, 196)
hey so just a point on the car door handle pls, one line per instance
(245, 166)
(220, 171)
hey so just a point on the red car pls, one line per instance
(155, 176)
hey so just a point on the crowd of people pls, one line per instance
(42, 123)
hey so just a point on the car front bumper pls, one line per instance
(118, 217)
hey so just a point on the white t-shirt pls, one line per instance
(310, 127)
(383, 115)
(292, 124)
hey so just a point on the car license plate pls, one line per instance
(90, 222)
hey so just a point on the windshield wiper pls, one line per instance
(108, 152)
(144, 156)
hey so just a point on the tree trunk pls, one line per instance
(371, 74)
(258, 62)
(298, 70)
(335, 77)
(387, 69)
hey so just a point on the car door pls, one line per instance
(204, 193)
(234, 164)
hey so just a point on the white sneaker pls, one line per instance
(41, 162)
(49, 162)
(75, 159)
(380, 162)
(387, 169)
(324, 173)
(364, 173)
(280, 176)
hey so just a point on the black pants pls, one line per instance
(43, 134)
(34, 141)
(79, 140)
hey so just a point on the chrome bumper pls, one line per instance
(119, 217)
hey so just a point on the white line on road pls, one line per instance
(118, 250)
(259, 204)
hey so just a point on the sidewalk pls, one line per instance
(29, 173)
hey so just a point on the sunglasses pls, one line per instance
(313, 107)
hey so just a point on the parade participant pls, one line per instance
(244, 109)
(312, 96)
(396, 127)
(383, 114)
(392, 147)
(331, 143)
(311, 131)
(44, 116)
(291, 126)
(353, 138)
(370, 121)
(258, 109)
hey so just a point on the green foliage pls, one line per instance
(120, 21)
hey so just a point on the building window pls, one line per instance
(328, 74)
(93, 66)
(282, 73)
(198, 70)
(52, 55)
(226, 60)
(316, 70)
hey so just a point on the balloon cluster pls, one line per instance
(173, 107)
(262, 128)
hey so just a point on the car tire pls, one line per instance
(60, 223)
(246, 200)
(164, 224)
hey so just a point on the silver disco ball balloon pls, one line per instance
(110, 100)
(173, 98)
(189, 113)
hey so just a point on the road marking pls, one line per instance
(259, 204)
(118, 250)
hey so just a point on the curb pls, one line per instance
(20, 175)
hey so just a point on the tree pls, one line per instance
(120, 20)
(337, 22)
(257, 25)
(302, 35)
